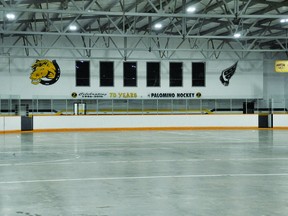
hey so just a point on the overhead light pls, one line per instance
(73, 27)
(283, 20)
(10, 16)
(191, 9)
(158, 26)
(237, 35)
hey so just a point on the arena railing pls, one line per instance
(14, 105)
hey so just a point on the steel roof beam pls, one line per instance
(137, 14)
(130, 35)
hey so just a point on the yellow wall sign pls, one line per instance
(281, 66)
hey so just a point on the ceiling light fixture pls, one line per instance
(237, 35)
(158, 25)
(191, 9)
(10, 16)
(73, 27)
(283, 20)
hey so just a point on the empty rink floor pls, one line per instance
(145, 173)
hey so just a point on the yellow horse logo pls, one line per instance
(45, 72)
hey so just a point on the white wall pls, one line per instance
(247, 82)
(254, 78)
(10, 123)
(280, 121)
(143, 121)
(44, 123)
(275, 84)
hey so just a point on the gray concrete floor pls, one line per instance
(145, 173)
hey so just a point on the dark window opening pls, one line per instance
(153, 74)
(130, 74)
(82, 73)
(198, 74)
(176, 74)
(106, 74)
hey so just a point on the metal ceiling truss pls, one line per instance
(41, 27)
